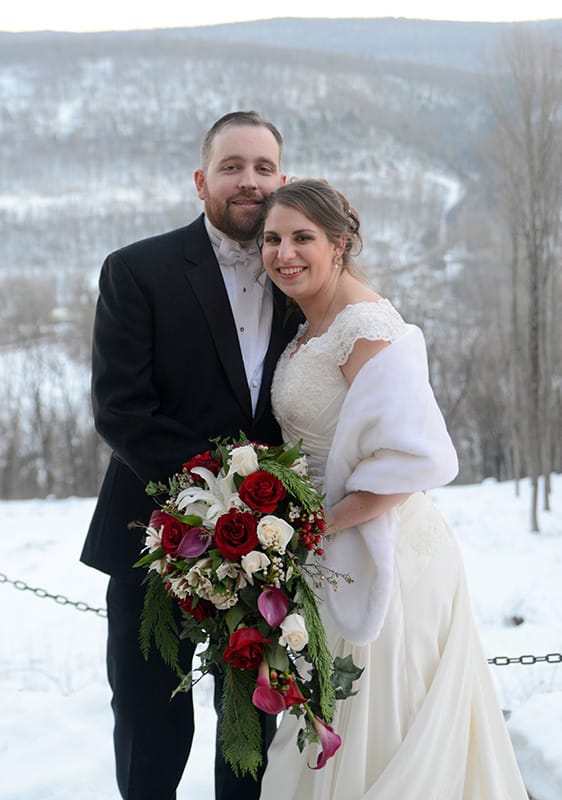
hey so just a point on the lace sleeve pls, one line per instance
(374, 321)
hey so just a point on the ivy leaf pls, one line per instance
(344, 673)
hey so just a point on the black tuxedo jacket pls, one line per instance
(167, 375)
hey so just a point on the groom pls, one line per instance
(186, 336)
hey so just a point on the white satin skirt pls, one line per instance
(425, 723)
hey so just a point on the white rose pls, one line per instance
(294, 632)
(243, 461)
(274, 533)
(254, 562)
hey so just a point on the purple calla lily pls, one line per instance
(273, 605)
(264, 697)
(330, 741)
(194, 543)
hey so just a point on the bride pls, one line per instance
(353, 384)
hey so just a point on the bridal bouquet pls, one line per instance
(235, 544)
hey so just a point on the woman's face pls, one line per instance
(297, 254)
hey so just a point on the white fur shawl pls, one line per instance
(390, 438)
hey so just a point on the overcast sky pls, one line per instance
(74, 15)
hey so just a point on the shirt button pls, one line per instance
(242, 329)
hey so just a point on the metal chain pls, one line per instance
(58, 598)
(498, 661)
(502, 661)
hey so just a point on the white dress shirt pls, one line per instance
(249, 292)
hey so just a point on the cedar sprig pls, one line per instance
(158, 622)
(318, 652)
(240, 731)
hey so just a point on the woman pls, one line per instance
(353, 384)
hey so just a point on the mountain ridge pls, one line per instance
(457, 44)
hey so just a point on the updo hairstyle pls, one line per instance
(326, 207)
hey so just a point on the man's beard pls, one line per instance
(241, 226)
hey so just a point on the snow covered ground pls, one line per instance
(55, 724)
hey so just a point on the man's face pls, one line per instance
(243, 170)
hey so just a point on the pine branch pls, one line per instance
(300, 489)
(157, 621)
(240, 729)
(318, 650)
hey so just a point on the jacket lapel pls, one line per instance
(204, 275)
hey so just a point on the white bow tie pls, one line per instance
(232, 254)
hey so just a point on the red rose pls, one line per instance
(244, 649)
(202, 460)
(235, 534)
(202, 610)
(173, 532)
(262, 491)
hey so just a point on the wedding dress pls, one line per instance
(425, 723)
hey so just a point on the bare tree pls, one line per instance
(525, 94)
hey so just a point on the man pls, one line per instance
(186, 337)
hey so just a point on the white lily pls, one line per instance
(152, 541)
(210, 503)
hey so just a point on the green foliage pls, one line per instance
(185, 685)
(148, 558)
(234, 616)
(192, 629)
(344, 673)
(189, 519)
(318, 652)
(157, 621)
(240, 731)
(154, 488)
(277, 657)
(303, 492)
(221, 451)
